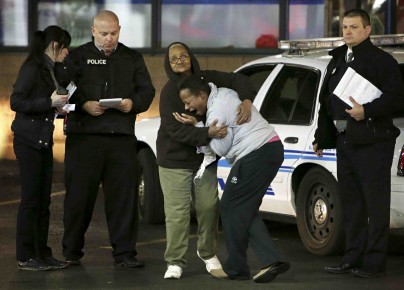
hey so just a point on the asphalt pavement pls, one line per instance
(98, 272)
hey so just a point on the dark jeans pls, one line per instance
(246, 185)
(36, 166)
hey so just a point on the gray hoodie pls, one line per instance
(241, 139)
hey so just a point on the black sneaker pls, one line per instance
(129, 261)
(54, 263)
(33, 265)
(269, 273)
(73, 262)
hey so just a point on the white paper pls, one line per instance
(110, 102)
(69, 107)
(71, 88)
(354, 85)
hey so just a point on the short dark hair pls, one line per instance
(361, 13)
(194, 84)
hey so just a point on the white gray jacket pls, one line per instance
(241, 139)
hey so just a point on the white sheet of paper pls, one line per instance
(71, 88)
(110, 102)
(354, 85)
(69, 107)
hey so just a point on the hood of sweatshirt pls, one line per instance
(177, 77)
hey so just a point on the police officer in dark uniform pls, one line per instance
(101, 144)
(35, 98)
(364, 136)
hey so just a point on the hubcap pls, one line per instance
(319, 216)
(320, 211)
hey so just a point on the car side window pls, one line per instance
(257, 75)
(291, 97)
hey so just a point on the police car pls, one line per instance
(305, 188)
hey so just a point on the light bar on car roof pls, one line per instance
(333, 42)
(306, 44)
(389, 39)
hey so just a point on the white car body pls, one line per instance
(280, 198)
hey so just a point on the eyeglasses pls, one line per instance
(175, 60)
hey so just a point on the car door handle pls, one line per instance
(292, 140)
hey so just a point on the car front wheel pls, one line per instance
(319, 213)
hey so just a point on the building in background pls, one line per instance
(236, 29)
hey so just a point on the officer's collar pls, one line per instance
(359, 48)
(102, 50)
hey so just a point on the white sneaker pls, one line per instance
(173, 272)
(213, 266)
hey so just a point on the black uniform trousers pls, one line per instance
(364, 180)
(246, 185)
(91, 160)
(36, 166)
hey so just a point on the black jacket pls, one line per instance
(31, 101)
(121, 75)
(176, 142)
(382, 70)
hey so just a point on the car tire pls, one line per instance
(319, 213)
(151, 200)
